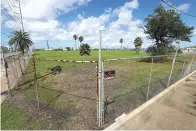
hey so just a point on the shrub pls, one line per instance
(68, 48)
(59, 49)
(85, 49)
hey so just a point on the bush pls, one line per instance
(162, 50)
(68, 48)
(38, 49)
(59, 49)
(85, 49)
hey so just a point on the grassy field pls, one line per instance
(68, 99)
(72, 55)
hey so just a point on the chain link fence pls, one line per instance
(66, 92)
(137, 80)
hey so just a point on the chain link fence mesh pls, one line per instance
(129, 88)
(67, 90)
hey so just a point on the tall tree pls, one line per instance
(121, 41)
(138, 43)
(81, 39)
(165, 26)
(75, 38)
(21, 40)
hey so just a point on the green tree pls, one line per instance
(75, 38)
(85, 49)
(165, 26)
(81, 39)
(138, 43)
(21, 40)
(68, 48)
(121, 41)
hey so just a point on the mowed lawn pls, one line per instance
(73, 55)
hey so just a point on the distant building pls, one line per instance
(189, 49)
(49, 49)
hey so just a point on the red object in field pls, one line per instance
(109, 74)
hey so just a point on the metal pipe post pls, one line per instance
(102, 95)
(173, 63)
(149, 82)
(100, 82)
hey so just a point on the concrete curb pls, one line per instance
(118, 124)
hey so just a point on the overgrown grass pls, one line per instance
(66, 95)
(12, 118)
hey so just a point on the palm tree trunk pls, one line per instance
(75, 46)
(121, 46)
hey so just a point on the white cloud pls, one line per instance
(47, 9)
(194, 32)
(184, 7)
(41, 22)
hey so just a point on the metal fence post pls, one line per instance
(192, 62)
(97, 91)
(102, 87)
(35, 80)
(182, 70)
(173, 63)
(149, 82)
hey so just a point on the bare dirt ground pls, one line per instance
(175, 111)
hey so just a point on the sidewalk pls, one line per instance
(177, 111)
(174, 110)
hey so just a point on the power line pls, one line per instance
(18, 18)
(177, 9)
(5, 34)
(11, 22)
(12, 9)
(13, 25)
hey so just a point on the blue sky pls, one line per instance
(57, 21)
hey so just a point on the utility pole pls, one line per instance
(47, 45)
(21, 16)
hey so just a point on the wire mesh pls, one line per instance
(129, 88)
(69, 91)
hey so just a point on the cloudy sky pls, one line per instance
(57, 21)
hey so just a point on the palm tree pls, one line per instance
(138, 43)
(75, 38)
(21, 40)
(121, 41)
(80, 39)
(85, 49)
